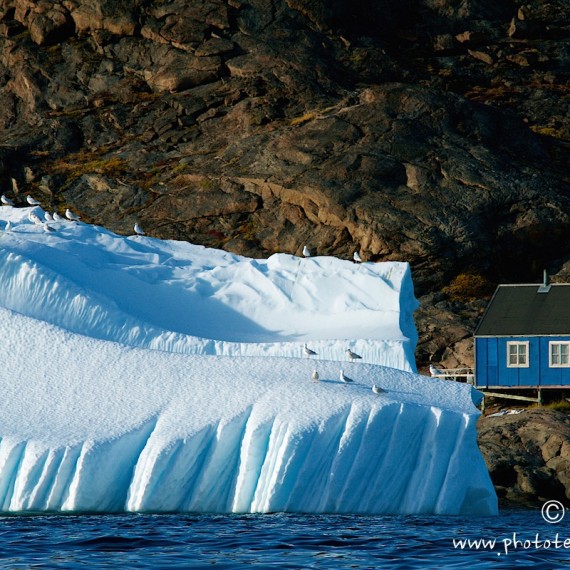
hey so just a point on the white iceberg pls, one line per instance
(144, 375)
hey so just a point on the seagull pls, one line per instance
(58, 218)
(308, 351)
(6, 201)
(48, 217)
(306, 251)
(71, 216)
(34, 218)
(377, 390)
(356, 257)
(32, 201)
(8, 226)
(344, 378)
(352, 355)
(433, 370)
(315, 376)
(48, 228)
(139, 230)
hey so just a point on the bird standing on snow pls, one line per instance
(48, 217)
(315, 376)
(308, 351)
(32, 201)
(138, 230)
(344, 378)
(6, 201)
(58, 218)
(356, 257)
(71, 216)
(377, 390)
(352, 355)
(8, 226)
(306, 251)
(48, 228)
(34, 218)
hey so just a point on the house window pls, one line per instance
(517, 354)
(559, 354)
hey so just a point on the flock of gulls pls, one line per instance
(73, 217)
(355, 256)
(352, 356)
(49, 217)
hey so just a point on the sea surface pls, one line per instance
(522, 539)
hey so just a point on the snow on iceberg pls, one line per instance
(93, 419)
(178, 297)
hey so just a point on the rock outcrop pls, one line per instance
(429, 131)
(528, 454)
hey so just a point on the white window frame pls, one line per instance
(518, 343)
(551, 346)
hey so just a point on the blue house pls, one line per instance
(523, 339)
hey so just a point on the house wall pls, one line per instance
(491, 363)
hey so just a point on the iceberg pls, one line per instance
(157, 376)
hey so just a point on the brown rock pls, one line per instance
(249, 65)
(458, 354)
(472, 37)
(481, 56)
(49, 25)
(443, 42)
(521, 28)
(522, 453)
(551, 448)
(527, 58)
(214, 46)
(104, 15)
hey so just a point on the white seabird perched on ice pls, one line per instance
(352, 355)
(344, 378)
(8, 226)
(34, 218)
(48, 228)
(32, 201)
(6, 201)
(71, 216)
(58, 218)
(306, 251)
(138, 230)
(377, 390)
(356, 257)
(48, 217)
(308, 351)
(315, 376)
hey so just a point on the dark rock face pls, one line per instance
(528, 454)
(432, 131)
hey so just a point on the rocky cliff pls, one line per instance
(528, 454)
(432, 131)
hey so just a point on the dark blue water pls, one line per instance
(281, 541)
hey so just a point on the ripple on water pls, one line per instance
(279, 540)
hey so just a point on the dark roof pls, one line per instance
(520, 310)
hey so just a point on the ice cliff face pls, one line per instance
(91, 425)
(94, 419)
